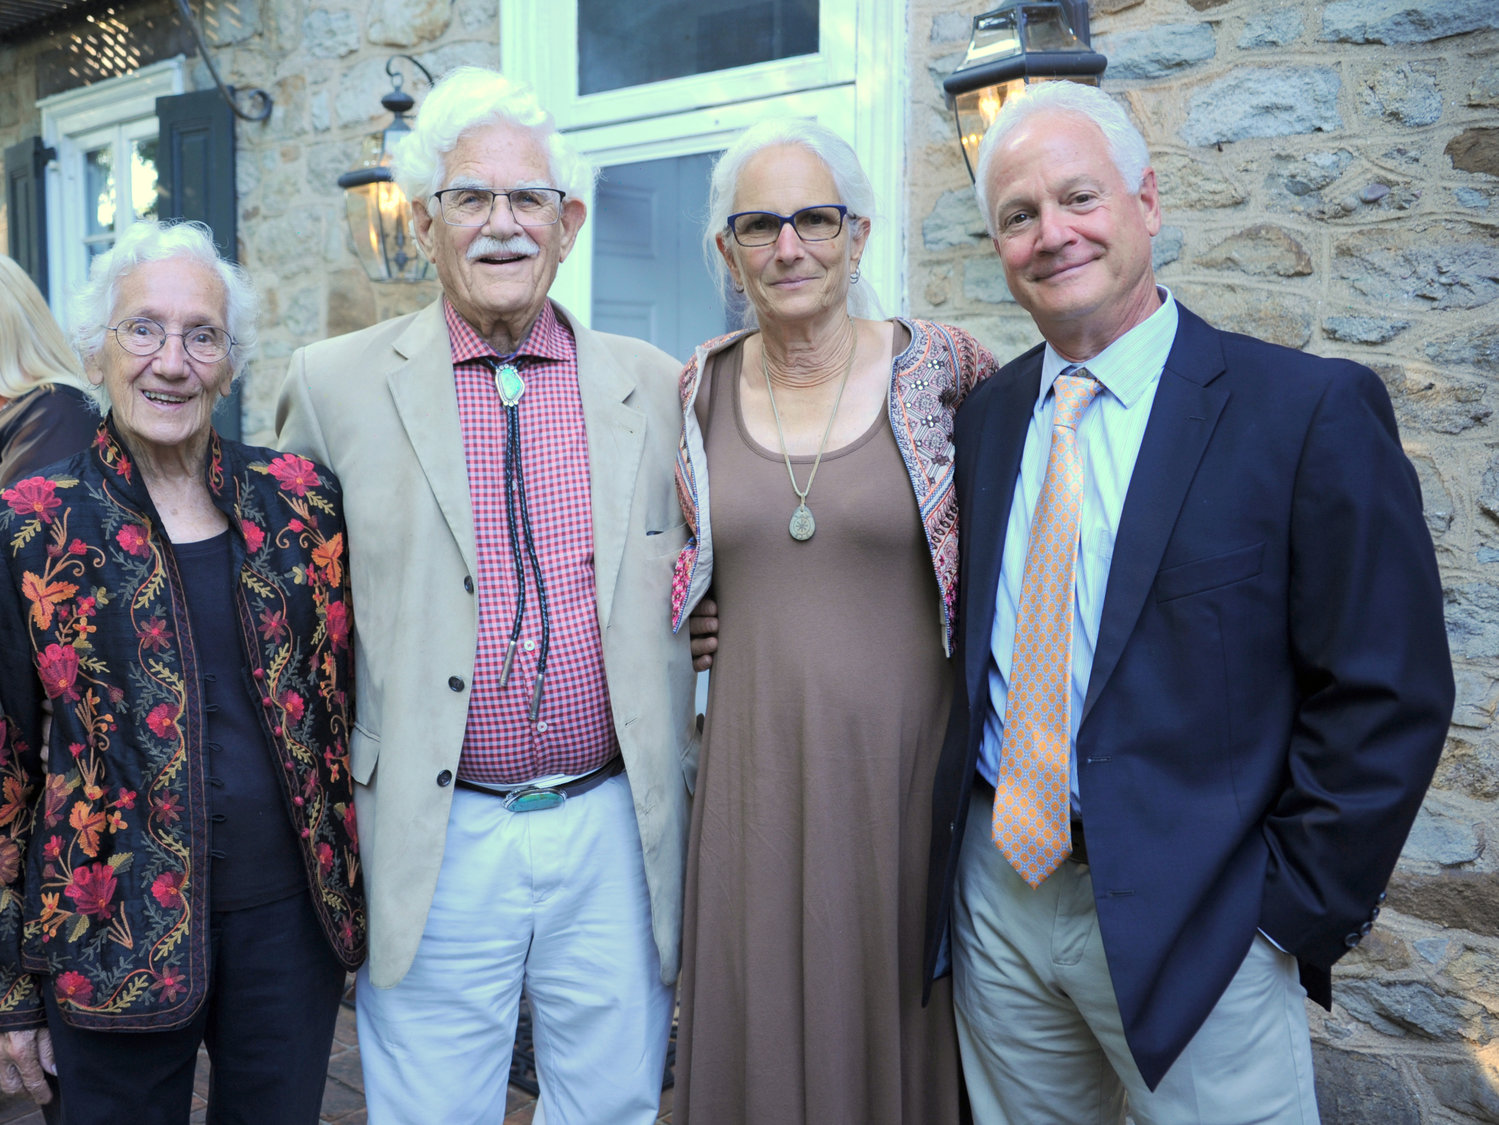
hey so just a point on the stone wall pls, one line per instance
(1329, 174)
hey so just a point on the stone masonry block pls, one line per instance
(1399, 22)
(1358, 1089)
(1475, 150)
(1263, 250)
(1157, 51)
(1264, 101)
(1272, 29)
(1404, 94)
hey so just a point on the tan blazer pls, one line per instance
(379, 407)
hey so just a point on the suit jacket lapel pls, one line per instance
(616, 443)
(421, 384)
(1186, 410)
(992, 470)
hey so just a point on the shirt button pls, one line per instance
(542, 726)
(528, 645)
(258, 674)
(306, 832)
(265, 700)
(468, 584)
(276, 731)
(445, 778)
(286, 766)
(455, 683)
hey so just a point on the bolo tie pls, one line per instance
(508, 382)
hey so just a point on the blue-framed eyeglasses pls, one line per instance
(811, 224)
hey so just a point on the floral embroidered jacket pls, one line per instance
(104, 851)
(928, 382)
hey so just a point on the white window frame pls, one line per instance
(531, 32)
(115, 111)
(856, 86)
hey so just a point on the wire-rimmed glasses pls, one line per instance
(471, 207)
(140, 335)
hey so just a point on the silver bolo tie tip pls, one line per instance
(509, 660)
(536, 695)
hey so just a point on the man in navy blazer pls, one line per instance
(1258, 685)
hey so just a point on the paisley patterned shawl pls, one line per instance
(104, 847)
(928, 382)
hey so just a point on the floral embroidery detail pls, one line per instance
(132, 537)
(162, 720)
(154, 636)
(337, 618)
(43, 596)
(167, 889)
(92, 887)
(254, 537)
(74, 988)
(58, 667)
(35, 497)
(295, 474)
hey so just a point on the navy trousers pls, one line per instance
(267, 1022)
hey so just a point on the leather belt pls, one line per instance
(1079, 853)
(534, 798)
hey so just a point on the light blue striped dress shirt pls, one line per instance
(1109, 436)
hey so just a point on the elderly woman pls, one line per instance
(830, 545)
(45, 413)
(180, 868)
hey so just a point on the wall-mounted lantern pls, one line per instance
(1018, 42)
(379, 212)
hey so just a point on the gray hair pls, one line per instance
(470, 97)
(1127, 147)
(854, 192)
(149, 241)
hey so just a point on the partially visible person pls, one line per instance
(1205, 678)
(830, 544)
(181, 867)
(45, 412)
(526, 729)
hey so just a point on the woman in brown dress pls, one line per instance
(830, 546)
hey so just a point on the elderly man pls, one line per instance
(525, 728)
(1203, 678)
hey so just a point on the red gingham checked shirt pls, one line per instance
(574, 733)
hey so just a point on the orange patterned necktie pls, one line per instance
(1031, 822)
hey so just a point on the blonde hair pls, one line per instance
(33, 350)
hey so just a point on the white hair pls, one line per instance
(849, 178)
(149, 241)
(470, 97)
(1127, 147)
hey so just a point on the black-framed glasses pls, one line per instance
(471, 207)
(812, 224)
(141, 335)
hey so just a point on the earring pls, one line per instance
(853, 278)
(738, 288)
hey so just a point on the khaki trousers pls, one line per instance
(1039, 1028)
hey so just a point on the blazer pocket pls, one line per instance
(1209, 574)
(668, 541)
(364, 752)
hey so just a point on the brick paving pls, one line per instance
(343, 1098)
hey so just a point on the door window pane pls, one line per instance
(652, 40)
(99, 192)
(144, 197)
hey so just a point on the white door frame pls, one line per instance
(855, 86)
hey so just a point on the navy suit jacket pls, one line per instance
(1271, 687)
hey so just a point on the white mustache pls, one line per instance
(516, 246)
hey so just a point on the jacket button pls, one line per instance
(445, 778)
(1373, 914)
(306, 832)
(455, 683)
(266, 701)
(1382, 897)
(258, 674)
(276, 731)
(299, 801)
(952, 828)
(1365, 928)
(468, 584)
(1351, 940)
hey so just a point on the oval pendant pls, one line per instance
(802, 523)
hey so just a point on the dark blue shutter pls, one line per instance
(26, 207)
(195, 169)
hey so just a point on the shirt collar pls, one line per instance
(1132, 364)
(547, 339)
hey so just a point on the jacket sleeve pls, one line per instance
(1373, 675)
(21, 776)
(298, 429)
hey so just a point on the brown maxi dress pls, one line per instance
(807, 859)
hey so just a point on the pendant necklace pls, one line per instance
(803, 526)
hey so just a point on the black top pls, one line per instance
(254, 854)
(43, 426)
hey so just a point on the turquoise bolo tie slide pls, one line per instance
(508, 382)
(533, 799)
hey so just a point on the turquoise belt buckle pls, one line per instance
(534, 800)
